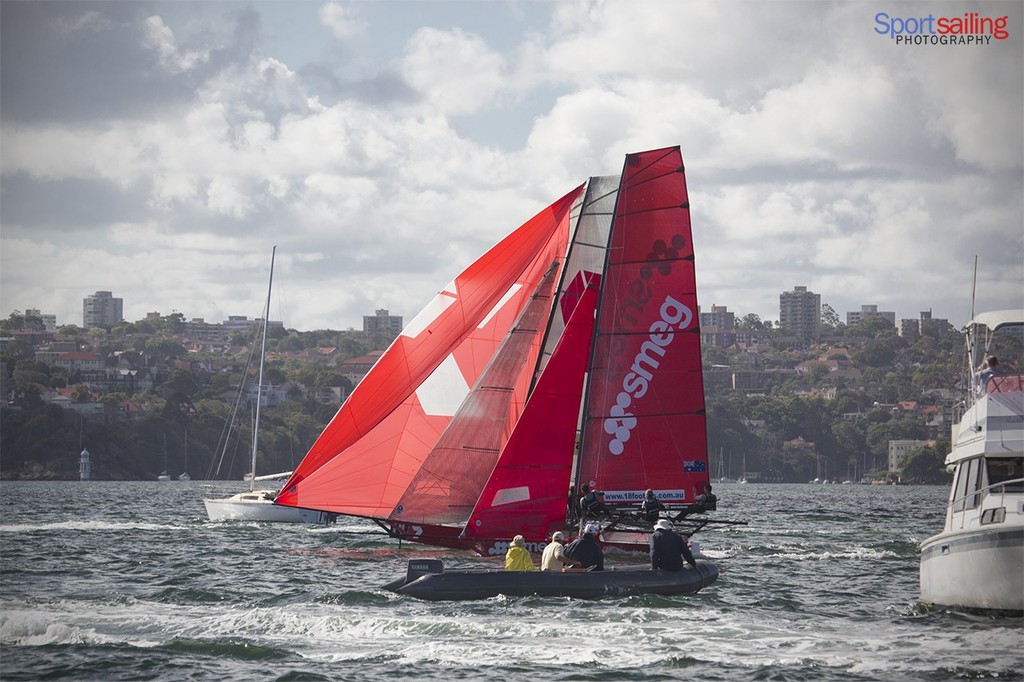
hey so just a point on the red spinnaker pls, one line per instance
(367, 455)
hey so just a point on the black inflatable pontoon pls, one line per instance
(427, 579)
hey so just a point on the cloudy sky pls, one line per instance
(159, 150)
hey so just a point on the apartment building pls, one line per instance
(102, 310)
(800, 313)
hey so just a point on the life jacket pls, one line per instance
(591, 503)
(518, 559)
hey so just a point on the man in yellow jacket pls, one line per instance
(518, 557)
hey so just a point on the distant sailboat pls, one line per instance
(258, 505)
(722, 477)
(183, 476)
(164, 476)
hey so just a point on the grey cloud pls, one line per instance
(56, 66)
(64, 206)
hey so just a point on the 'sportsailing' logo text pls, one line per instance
(969, 29)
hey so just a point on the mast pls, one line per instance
(971, 342)
(259, 386)
(574, 478)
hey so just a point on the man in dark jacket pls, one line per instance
(707, 501)
(591, 506)
(651, 507)
(668, 548)
(584, 552)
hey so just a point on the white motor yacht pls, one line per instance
(977, 561)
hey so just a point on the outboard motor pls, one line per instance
(417, 568)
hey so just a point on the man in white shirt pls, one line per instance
(551, 559)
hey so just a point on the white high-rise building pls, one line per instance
(102, 310)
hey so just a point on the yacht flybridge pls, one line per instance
(977, 561)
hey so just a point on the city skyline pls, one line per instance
(159, 150)
(383, 319)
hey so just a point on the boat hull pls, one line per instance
(623, 582)
(243, 508)
(977, 569)
(623, 538)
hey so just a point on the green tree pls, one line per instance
(829, 319)
(14, 322)
(29, 373)
(751, 322)
(164, 348)
(927, 464)
(291, 343)
(16, 351)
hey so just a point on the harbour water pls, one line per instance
(129, 581)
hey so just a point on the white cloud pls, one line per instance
(452, 70)
(342, 20)
(816, 155)
(159, 37)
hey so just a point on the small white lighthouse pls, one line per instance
(84, 468)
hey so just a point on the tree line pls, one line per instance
(181, 425)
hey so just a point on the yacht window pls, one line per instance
(1008, 471)
(973, 483)
(996, 515)
(960, 488)
(967, 486)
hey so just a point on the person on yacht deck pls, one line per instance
(989, 368)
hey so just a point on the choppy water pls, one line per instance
(129, 581)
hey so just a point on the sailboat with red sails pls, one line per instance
(567, 354)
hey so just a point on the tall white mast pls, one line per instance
(259, 387)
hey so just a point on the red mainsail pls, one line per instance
(644, 422)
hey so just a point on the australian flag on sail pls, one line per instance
(694, 466)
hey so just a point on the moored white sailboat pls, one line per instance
(258, 505)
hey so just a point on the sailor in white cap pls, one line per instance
(584, 552)
(668, 548)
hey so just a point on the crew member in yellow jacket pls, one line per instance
(518, 557)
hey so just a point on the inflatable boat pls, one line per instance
(427, 579)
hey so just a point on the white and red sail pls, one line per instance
(366, 456)
(451, 477)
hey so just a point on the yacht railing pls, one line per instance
(981, 494)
